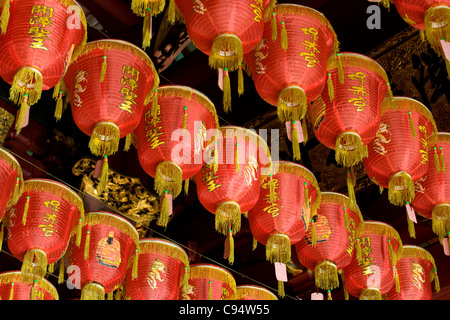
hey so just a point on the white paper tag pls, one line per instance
(299, 131)
(281, 272)
(411, 213)
(446, 246)
(316, 296)
(446, 48)
(220, 78)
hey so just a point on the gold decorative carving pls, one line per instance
(123, 194)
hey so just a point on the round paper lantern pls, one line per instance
(280, 218)
(13, 286)
(223, 30)
(108, 243)
(346, 117)
(11, 179)
(416, 269)
(398, 156)
(109, 84)
(375, 273)
(432, 18)
(432, 199)
(163, 271)
(171, 138)
(147, 9)
(38, 40)
(253, 292)
(229, 183)
(211, 282)
(40, 225)
(288, 66)
(332, 245)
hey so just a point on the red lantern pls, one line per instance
(289, 67)
(13, 286)
(162, 271)
(211, 282)
(11, 179)
(223, 30)
(398, 156)
(433, 190)
(108, 243)
(432, 18)
(280, 218)
(109, 84)
(40, 225)
(147, 9)
(416, 269)
(346, 117)
(331, 245)
(252, 292)
(229, 183)
(171, 139)
(39, 40)
(374, 274)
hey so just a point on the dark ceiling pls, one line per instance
(49, 149)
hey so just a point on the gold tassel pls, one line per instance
(5, 16)
(236, 158)
(390, 94)
(346, 295)
(346, 221)
(134, 271)
(87, 244)
(16, 193)
(79, 232)
(231, 243)
(392, 254)
(110, 295)
(163, 219)
(155, 105)
(411, 229)
(240, 81)
(185, 114)
(25, 211)
(295, 143)
(21, 115)
(2, 234)
(437, 286)
(447, 65)
(281, 291)
(11, 292)
(397, 281)
(442, 160)
(51, 268)
(104, 67)
(340, 69)
(146, 29)
(254, 244)
(313, 233)
(127, 142)
(351, 190)
(330, 86)
(411, 124)
(226, 91)
(104, 175)
(436, 161)
(305, 131)
(216, 158)
(171, 12)
(284, 37)
(306, 195)
(326, 275)
(59, 107)
(422, 36)
(61, 271)
(274, 26)
(210, 290)
(186, 186)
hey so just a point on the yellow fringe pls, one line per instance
(34, 265)
(278, 248)
(226, 91)
(228, 216)
(439, 14)
(168, 178)
(401, 189)
(439, 216)
(292, 104)
(105, 139)
(104, 68)
(186, 186)
(128, 140)
(295, 143)
(10, 278)
(326, 275)
(140, 7)
(281, 291)
(5, 16)
(222, 45)
(93, 291)
(284, 37)
(254, 244)
(205, 271)
(350, 149)
(240, 81)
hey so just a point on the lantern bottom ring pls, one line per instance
(168, 178)
(228, 217)
(436, 12)
(370, 294)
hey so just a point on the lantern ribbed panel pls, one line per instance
(290, 78)
(354, 108)
(241, 188)
(398, 155)
(19, 48)
(163, 268)
(53, 216)
(212, 25)
(416, 270)
(375, 271)
(252, 292)
(13, 286)
(290, 213)
(336, 232)
(10, 177)
(129, 82)
(111, 245)
(432, 199)
(211, 282)
(159, 137)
